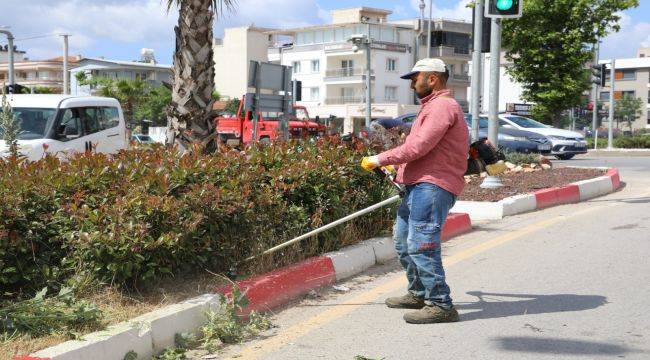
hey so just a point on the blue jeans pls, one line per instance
(417, 230)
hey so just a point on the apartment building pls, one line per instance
(333, 74)
(149, 71)
(39, 73)
(632, 78)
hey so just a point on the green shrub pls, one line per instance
(632, 142)
(520, 158)
(149, 213)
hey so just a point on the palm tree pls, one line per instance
(190, 110)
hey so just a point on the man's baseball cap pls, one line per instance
(426, 65)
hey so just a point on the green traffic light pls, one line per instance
(504, 5)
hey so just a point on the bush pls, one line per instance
(520, 158)
(632, 142)
(149, 213)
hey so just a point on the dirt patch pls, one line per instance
(523, 183)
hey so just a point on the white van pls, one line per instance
(64, 124)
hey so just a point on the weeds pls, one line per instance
(43, 315)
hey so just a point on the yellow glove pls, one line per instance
(370, 163)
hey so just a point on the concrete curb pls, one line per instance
(151, 333)
(146, 335)
(569, 194)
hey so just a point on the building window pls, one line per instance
(315, 66)
(296, 67)
(314, 93)
(621, 94)
(391, 64)
(604, 95)
(460, 42)
(626, 75)
(390, 93)
(318, 37)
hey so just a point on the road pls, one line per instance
(570, 282)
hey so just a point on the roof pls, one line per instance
(129, 63)
(366, 10)
(332, 26)
(44, 101)
(630, 63)
(73, 59)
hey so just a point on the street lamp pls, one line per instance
(359, 40)
(10, 48)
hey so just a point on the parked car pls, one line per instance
(142, 139)
(565, 144)
(514, 140)
(64, 124)
(509, 139)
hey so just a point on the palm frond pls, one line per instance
(218, 6)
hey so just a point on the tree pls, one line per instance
(9, 126)
(193, 80)
(232, 106)
(549, 47)
(154, 105)
(628, 109)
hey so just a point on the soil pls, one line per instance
(526, 182)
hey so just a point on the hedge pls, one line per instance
(146, 214)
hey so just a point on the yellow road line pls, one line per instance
(395, 282)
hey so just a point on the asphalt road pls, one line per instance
(570, 282)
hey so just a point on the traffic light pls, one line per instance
(503, 9)
(599, 73)
(15, 89)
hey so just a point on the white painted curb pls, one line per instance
(592, 188)
(384, 249)
(519, 204)
(480, 210)
(147, 335)
(352, 260)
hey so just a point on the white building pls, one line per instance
(510, 91)
(333, 75)
(4, 54)
(151, 72)
(232, 56)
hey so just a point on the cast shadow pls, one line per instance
(492, 305)
(541, 345)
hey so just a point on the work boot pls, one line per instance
(408, 301)
(431, 314)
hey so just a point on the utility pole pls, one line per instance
(477, 69)
(495, 64)
(429, 28)
(368, 81)
(10, 44)
(594, 118)
(422, 6)
(66, 80)
(612, 104)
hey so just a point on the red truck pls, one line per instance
(239, 129)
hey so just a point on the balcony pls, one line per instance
(347, 75)
(459, 78)
(339, 100)
(449, 52)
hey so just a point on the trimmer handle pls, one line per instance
(390, 173)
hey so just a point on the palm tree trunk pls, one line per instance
(193, 80)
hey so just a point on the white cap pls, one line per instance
(426, 65)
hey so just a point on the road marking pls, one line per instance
(395, 282)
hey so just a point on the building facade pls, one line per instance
(333, 72)
(632, 78)
(34, 74)
(4, 54)
(155, 74)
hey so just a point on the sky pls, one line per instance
(119, 29)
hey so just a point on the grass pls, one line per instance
(116, 306)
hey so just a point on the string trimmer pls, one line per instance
(384, 171)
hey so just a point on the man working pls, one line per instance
(432, 162)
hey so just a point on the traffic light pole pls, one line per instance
(594, 119)
(476, 69)
(612, 104)
(495, 64)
